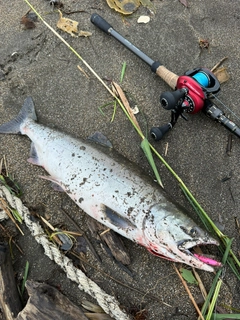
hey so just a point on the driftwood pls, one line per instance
(47, 303)
(9, 297)
(111, 239)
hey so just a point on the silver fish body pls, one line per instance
(112, 190)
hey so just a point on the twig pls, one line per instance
(166, 149)
(218, 64)
(189, 293)
(201, 286)
(105, 231)
(81, 69)
(126, 104)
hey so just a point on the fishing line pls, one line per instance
(225, 106)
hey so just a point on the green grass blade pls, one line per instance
(123, 71)
(218, 316)
(147, 151)
(25, 277)
(212, 228)
(16, 215)
(214, 299)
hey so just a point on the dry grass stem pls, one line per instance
(81, 69)
(126, 104)
(218, 64)
(105, 231)
(4, 206)
(189, 293)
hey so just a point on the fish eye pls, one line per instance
(191, 232)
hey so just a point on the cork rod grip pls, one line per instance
(169, 77)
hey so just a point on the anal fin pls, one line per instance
(55, 183)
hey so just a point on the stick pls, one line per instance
(189, 293)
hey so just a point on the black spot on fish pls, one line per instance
(80, 200)
(82, 148)
(73, 154)
(73, 176)
(130, 209)
(82, 183)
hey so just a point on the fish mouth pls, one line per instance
(194, 248)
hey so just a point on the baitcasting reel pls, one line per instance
(193, 90)
(193, 93)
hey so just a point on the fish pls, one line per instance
(114, 191)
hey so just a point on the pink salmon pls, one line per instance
(112, 190)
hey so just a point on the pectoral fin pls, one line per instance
(115, 219)
(33, 159)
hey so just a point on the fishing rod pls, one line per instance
(192, 93)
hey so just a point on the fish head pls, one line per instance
(172, 235)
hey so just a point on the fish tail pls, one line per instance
(27, 112)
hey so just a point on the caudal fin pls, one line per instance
(27, 112)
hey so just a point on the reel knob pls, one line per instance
(170, 99)
(157, 133)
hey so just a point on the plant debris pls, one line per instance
(188, 276)
(203, 43)
(71, 27)
(143, 19)
(29, 19)
(222, 74)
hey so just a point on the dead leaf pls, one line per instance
(67, 25)
(124, 6)
(84, 33)
(222, 74)
(71, 27)
(184, 3)
(203, 43)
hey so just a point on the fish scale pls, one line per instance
(112, 190)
